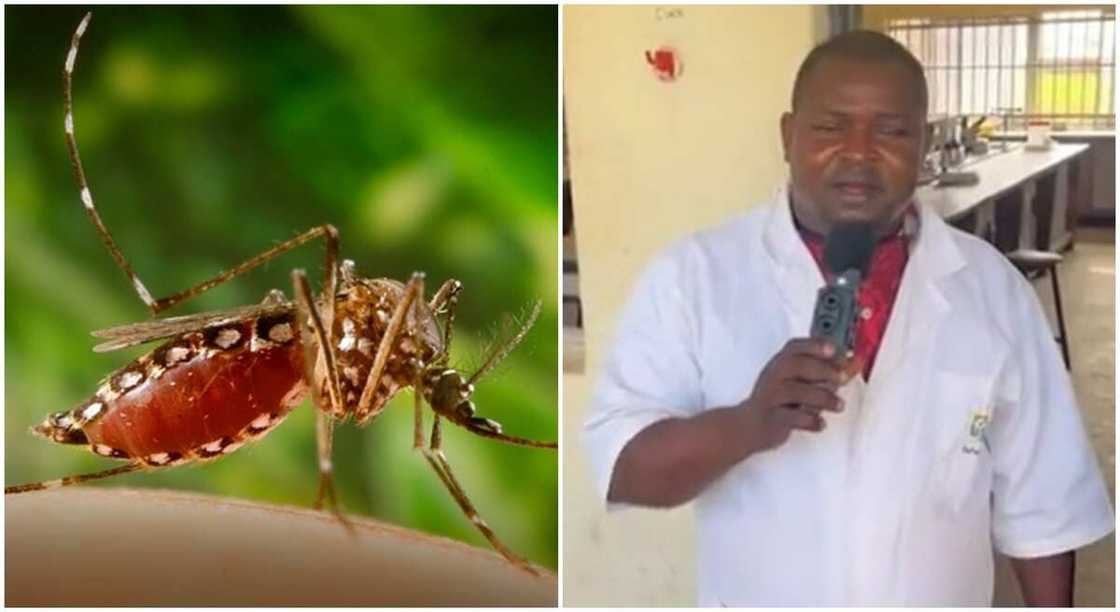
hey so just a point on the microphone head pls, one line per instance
(849, 247)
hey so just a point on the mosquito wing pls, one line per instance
(125, 336)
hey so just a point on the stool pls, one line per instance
(1036, 263)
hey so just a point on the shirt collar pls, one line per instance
(931, 243)
(911, 223)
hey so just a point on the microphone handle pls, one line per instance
(836, 314)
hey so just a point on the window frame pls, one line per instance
(946, 72)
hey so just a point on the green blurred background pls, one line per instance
(427, 135)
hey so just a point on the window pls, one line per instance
(1057, 66)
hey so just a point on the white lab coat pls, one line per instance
(967, 433)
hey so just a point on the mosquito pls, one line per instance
(225, 378)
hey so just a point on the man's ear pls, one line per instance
(787, 134)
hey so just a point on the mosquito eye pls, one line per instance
(446, 390)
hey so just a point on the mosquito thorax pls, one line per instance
(368, 304)
(363, 310)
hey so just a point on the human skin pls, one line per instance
(1046, 581)
(109, 546)
(673, 460)
(854, 144)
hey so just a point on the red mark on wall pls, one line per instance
(665, 63)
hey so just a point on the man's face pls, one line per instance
(855, 144)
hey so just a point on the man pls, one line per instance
(882, 483)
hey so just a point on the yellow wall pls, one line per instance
(649, 163)
(652, 161)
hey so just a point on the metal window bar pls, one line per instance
(1033, 93)
(1104, 84)
(999, 68)
(1108, 77)
(1065, 75)
(960, 68)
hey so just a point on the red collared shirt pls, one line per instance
(877, 292)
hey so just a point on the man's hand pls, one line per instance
(797, 384)
(671, 461)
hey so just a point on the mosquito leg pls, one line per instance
(324, 435)
(449, 289)
(434, 455)
(327, 232)
(307, 313)
(325, 326)
(414, 288)
(156, 306)
(324, 425)
(447, 297)
(418, 413)
(330, 299)
(324, 440)
(72, 480)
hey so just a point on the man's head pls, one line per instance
(855, 137)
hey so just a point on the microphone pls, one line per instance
(847, 253)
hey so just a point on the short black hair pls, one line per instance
(861, 45)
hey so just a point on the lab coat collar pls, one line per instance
(781, 240)
(934, 251)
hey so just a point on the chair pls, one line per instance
(1038, 263)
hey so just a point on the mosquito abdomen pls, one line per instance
(200, 396)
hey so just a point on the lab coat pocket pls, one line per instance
(962, 470)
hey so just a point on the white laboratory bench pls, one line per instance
(1024, 200)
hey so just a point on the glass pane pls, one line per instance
(1047, 42)
(953, 39)
(1110, 42)
(1107, 103)
(1019, 48)
(1067, 91)
(929, 47)
(957, 105)
(968, 46)
(968, 90)
(1019, 88)
(996, 96)
(942, 80)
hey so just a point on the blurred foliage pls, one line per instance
(427, 135)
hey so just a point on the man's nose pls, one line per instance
(859, 144)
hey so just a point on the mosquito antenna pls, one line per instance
(80, 174)
(502, 350)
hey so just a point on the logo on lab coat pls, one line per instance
(977, 424)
